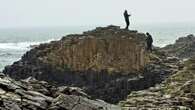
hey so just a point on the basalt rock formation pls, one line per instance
(108, 49)
(107, 63)
(104, 62)
(177, 92)
(31, 94)
(184, 47)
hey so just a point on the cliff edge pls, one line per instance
(108, 49)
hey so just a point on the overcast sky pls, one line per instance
(27, 13)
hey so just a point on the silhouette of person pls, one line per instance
(149, 42)
(126, 16)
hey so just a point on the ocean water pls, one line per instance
(14, 42)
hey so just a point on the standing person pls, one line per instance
(126, 16)
(149, 42)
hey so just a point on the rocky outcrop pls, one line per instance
(31, 94)
(104, 62)
(177, 92)
(184, 47)
(110, 49)
(109, 64)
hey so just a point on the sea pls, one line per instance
(14, 42)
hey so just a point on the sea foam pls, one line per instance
(21, 46)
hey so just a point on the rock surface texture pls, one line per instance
(104, 62)
(177, 92)
(31, 94)
(110, 49)
(184, 47)
(109, 64)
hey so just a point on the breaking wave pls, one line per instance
(21, 46)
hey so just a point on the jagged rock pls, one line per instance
(29, 98)
(177, 92)
(71, 91)
(78, 103)
(182, 48)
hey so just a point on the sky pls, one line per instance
(33, 13)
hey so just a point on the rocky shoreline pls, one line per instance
(31, 94)
(182, 48)
(107, 63)
(175, 93)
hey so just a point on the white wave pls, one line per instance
(21, 45)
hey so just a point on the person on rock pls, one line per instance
(126, 16)
(149, 42)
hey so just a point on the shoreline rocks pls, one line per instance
(107, 63)
(182, 48)
(175, 93)
(31, 94)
